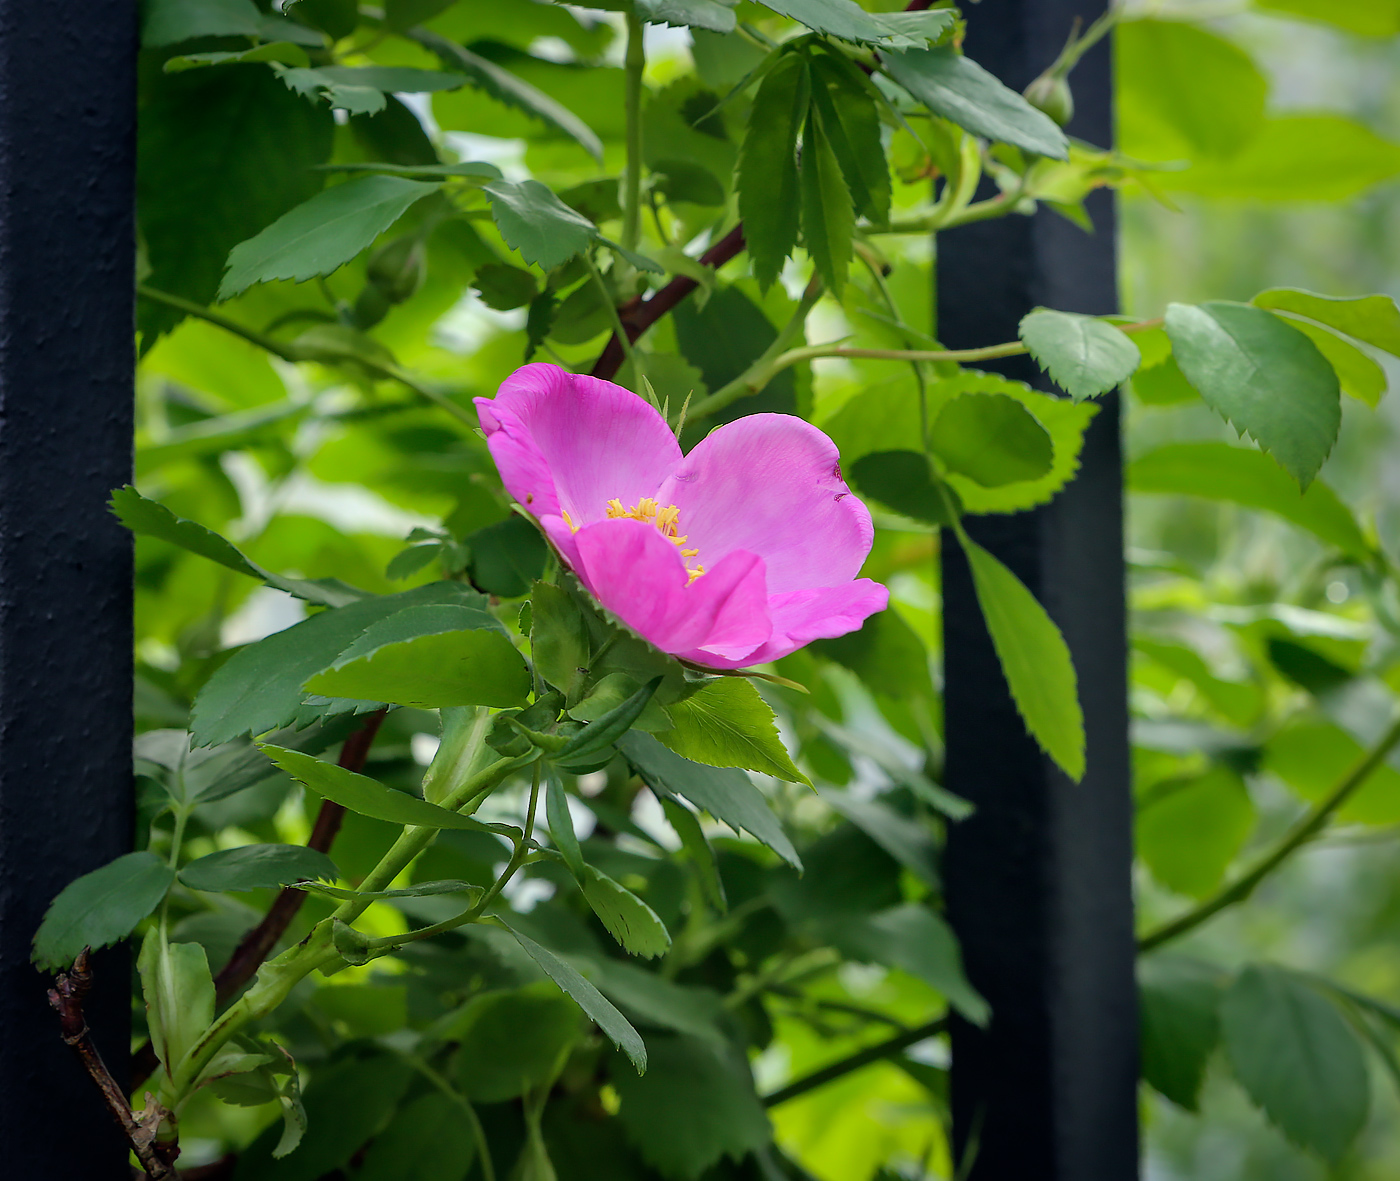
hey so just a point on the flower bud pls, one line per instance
(397, 268)
(1051, 93)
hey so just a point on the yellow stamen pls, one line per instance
(694, 574)
(568, 520)
(690, 553)
(667, 520)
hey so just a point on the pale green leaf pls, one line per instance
(992, 439)
(1084, 355)
(1189, 831)
(101, 907)
(1373, 319)
(179, 994)
(1369, 18)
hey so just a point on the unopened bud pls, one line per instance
(397, 268)
(1051, 93)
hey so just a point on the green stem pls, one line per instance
(618, 330)
(634, 65)
(1304, 831)
(852, 1062)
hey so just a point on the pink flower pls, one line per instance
(736, 554)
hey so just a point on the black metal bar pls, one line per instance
(67, 252)
(1038, 881)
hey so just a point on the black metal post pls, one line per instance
(1038, 881)
(67, 252)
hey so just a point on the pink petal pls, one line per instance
(800, 617)
(641, 578)
(771, 484)
(566, 442)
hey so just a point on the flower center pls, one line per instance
(666, 519)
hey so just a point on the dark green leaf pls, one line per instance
(1306, 667)
(702, 857)
(322, 234)
(904, 482)
(992, 439)
(588, 998)
(427, 1140)
(596, 738)
(561, 826)
(418, 890)
(694, 1105)
(100, 907)
(850, 22)
(431, 657)
(1034, 658)
(1247, 477)
(506, 557)
(1297, 1058)
(535, 222)
(260, 688)
(511, 1042)
(558, 638)
(768, 181)
(1263, 376)
(725, 723)
(628, 919)
(828, 219)
(1084, 355)
(168, 22)
(257, 867)
(715, 15)
(960, 90)
(721, 340)
(152, 519)
(684, 180)
(277, 51)
(654, 1000)
(907, 841)
(401, 15)
(851, 121)
(504, 287)
(1180, 1001)
(726, 795)
(366, 796)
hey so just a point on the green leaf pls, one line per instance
(1180, 1004)
(511, 1042)
(694, 1105)
(179, 993)
(367, 796)
(257, 867)
(168, 22)
(628, 919)
(904, 482)
(431, 657)
(851, 120)
(595, 740)
(850, 22)
(390, 79)
(828, 220)
(558, 639)
(960, 90)
(323, 233)
(1163, 384)
(684, 180)
(100, 907)
(1248, 477)
(1034, 659)
(907, 841)
(1294, 158)
(152, 519)
(535, 222)
(1084, 355)
(1366, 17)
(1184, 92)
(767, 171)
(914, 939)
(507, 556)
(654, 1000)
(1311, 757)
(221, 154)
(561, 827)
(418, 890)
(1359, 376)
(1240, 702)
(715, 15)
(725, 723)
(507, 89)
(727, 795)
(992, 439)
(427, 1140)
(599, 1009)
(277, 51)
(702, 856)
(1189, 831)
(260, 687)
(1297, 1058)
(1374, 319)
(1262, 376)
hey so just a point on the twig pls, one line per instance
(258, 943)
(157, 1157)
(853, 1062)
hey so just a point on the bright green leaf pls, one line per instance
(179, 994)
(768, 181)
(628, 919)
(1188, 832)
(904, 482)
(1370, 18)
(1373, 319)
(535, 222)
(1311, 757)
(257, 867)
(1084, 355)
(100, 907)
(1359, 376)
(725, 723)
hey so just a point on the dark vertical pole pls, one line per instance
(1038, 881)
(67, 194)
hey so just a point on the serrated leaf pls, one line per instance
(1263, 376)
(260, 688)
(1374, 319)
(851, 122)
(368, 796)
(150, 518)
(1034, 659)
(628, 919)
(257, 867)
(535, 222)
(417, 890)
(432, 657)
(561, 826)
(1083, 354)
(727, 795)
(100, 907)
(558, 639)
(992, 439)
(828, 220)
(767, 170)
(179, 994)
(596, 739)
(1247, 477)
(725, 723)
(960, 90)
(850, 22)
(714, 15)
(284, 52)
(1180, 1003)
(322, 234)
(1297, 1058)
(589, 999)
(651, 998)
